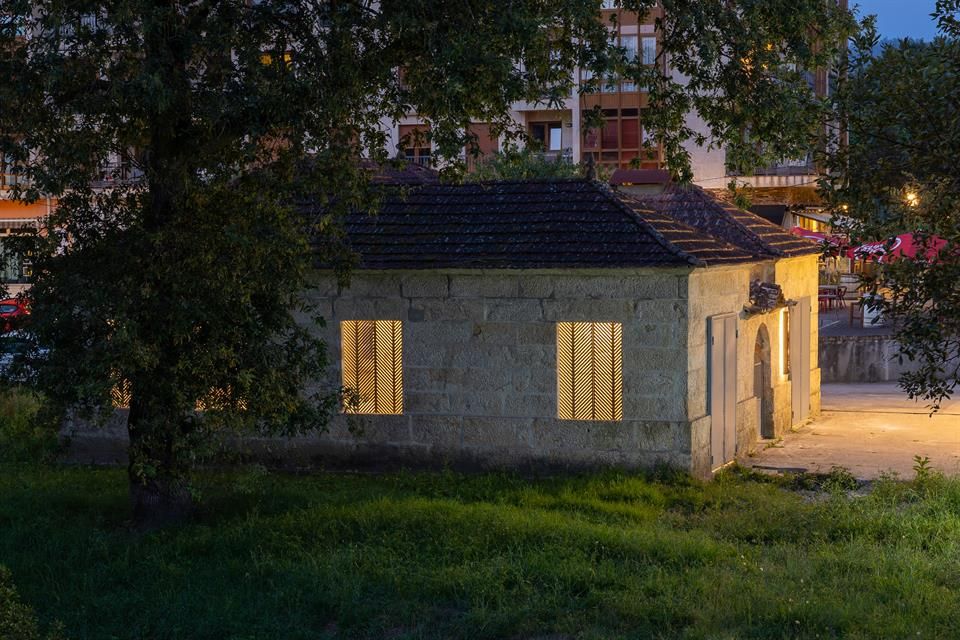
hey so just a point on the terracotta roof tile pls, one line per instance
(527, 225)
(695, 207)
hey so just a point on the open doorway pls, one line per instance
(762, 387)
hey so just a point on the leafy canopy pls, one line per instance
(209, 119)
(897, 174)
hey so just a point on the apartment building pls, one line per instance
(785, 192)
(15, 217)
(561, 132)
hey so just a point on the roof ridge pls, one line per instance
(722, 242)
(535, 180)
(646, 226)
(765, 239)
(733, 212)
(730, 209)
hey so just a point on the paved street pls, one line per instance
(869, 429)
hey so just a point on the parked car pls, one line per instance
(19, 348)
(11, 310)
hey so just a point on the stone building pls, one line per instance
(560, 323)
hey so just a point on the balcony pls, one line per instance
(561, 155)
(115, 173)
(423, 159)
(790, 167)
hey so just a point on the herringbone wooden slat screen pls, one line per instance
(589, 371)
(372, 351)
(120, 394)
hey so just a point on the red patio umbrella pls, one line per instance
(833, 242)
(905, 245)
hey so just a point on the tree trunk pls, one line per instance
(159, 491)
(160, 502)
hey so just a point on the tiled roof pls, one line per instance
(526, 225)
(702, 211)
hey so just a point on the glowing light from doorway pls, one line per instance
(784, 343)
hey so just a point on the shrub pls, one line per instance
(17, 620)
(26, 435)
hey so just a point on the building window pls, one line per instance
(649, 50)
(415, 143)
(589, 371)
(609, 138)
(630, 44)
(372, 351)
(548, 134)
(810, 224)
(12, 268)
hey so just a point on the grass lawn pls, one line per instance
(489, 556)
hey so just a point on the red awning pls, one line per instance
(905, 245)
(835, 242)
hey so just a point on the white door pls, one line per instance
(722, 369)
(800, 360)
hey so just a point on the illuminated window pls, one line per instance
(218, 399)
(121, 394)
(372, 370)
(589, 371)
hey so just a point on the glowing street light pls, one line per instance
(912, 198)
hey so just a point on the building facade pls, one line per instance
(786, 190)
(561, 324)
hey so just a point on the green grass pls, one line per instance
(489, 556)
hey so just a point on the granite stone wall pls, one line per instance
(479, 367)
(726, 290)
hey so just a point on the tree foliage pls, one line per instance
(183, 285)
(522, 163)
(740, 77)
(182, 281)
(898, 174)
(17, 620)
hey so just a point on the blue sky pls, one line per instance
(901, 18)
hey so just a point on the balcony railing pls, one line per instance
(115, 173)
(791, 167)
(561, 155)
(111, 174)
(423, 160)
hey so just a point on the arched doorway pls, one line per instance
(762, 387)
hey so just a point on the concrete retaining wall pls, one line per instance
(861, 359)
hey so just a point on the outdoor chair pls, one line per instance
(841, 295)
(823, 302)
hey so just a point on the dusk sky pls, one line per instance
(901, 18)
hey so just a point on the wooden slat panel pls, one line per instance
(589, 371)
(372, 361)
(565, 370)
